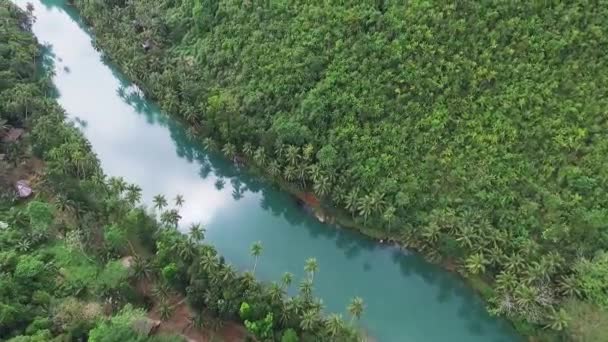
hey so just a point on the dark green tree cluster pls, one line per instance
(217, 293)
(472, 131)
(82, 247)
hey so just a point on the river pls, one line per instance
(407, 299)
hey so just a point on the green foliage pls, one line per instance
(289, 335)
(477, 123)
(262, 329)
(593, 279)
(587, 321)
(40, 215)
(112, 280)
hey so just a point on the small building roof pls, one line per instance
(13, 135)
(23, 189)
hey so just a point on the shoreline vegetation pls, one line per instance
(81, 259)
(470, 132)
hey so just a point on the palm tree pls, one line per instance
(274, 169)
(248, 149)
(161, 291)
(309, 320)
(306, 289)
(351, 200)
(187, 250)
(229, 150)
(286, 280)
(311, 267)
(476, 263)
(133, 194)
(256, 251)
(301, 172)
(276, 292)
(179, 200)
(558, 319)
(209, 144)
(365, 206)
(172, 217)
(290, 173)
(159, 202)
(279, 150)
(141, 268)
(260, 156)
(197, 232)
(165, 310)
(322, 186)
(431, 232)
(334, 325)
(355, 308)
(292, 154)
(314, 172)
(118, 185)
(389, 216)
(465, 236)
(569, 286)
(377, 201)
(208, 262)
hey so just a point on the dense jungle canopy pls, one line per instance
(472, 131)
(82, 260)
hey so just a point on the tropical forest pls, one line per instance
(471, 134)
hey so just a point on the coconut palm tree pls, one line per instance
(274, 168)
(165, 310)
(141, 268)
(311, 266)
(389, 217)
(208, 262)
(476, 263)
(355, 308)
(306, 289)
(179, 200)
(322, 186)
(292, 155)
(558, 319)
(314, 172)
(309, 321)
(334, 325)
(172, 217)
(276, 292)
(365, 205)
(133, 194)
(248, 149)
(197, 232)
(351, 201)
(260, 156)
(209, 144)
(286, 280)
(256, 251)
(159, 202)
(290, 173)
(229, 150)
(118, 185)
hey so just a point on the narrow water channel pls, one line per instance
(406, 298)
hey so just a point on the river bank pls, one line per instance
(332, 218)
(134, 139)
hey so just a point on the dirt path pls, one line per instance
(179, 323)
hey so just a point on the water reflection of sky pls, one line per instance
(406, 298)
